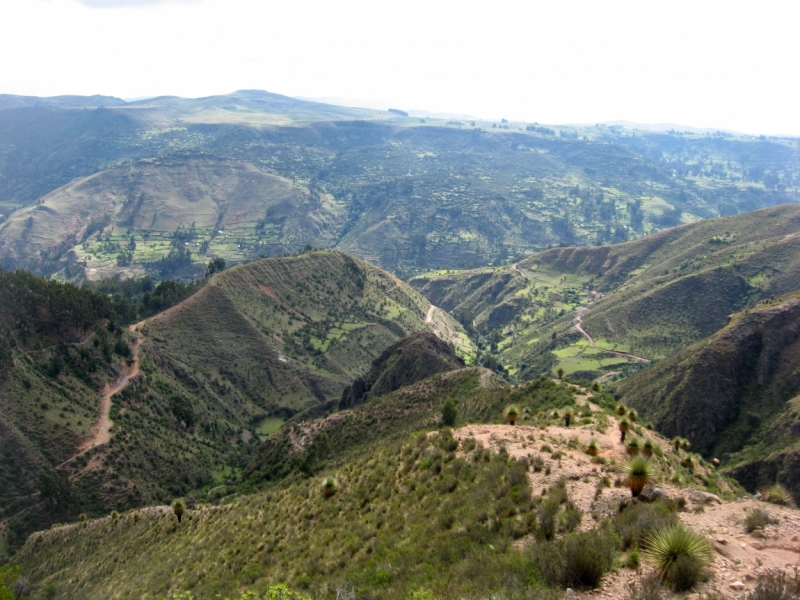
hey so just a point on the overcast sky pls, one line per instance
(731, 65)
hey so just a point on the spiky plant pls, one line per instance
(179, 507)
(114, 515)
(624, 426)
(686, 445)
(638, 473)
(676, 443)
(777, 494)
(622, 410)
(632, 448)
(512, 413)
(633, 415)
(592, 448)
(688, 462)
(595, 387)
(568, 414)
(82, 517)
(526, 413)
(329, 487)
(648, 448)
(664, 548)
(560, 373)
(556, 415)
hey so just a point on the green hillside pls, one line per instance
(406, 194)
(735, 394)
(439, 514)
(144, 218)
(195, 388)
(648, 298)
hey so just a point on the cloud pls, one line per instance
(131, 3)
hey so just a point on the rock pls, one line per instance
(737, 585)
(794, 538)
(704, 497)
(757, 545)
(569, 593)
(758, 496)
(722, 541)
(651, 493)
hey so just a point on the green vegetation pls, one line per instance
(679, 556)
(404, 194)
(630, 299)
(639, 473)
(748, 416)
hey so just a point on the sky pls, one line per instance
(728, 65)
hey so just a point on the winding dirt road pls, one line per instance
(101, 430)
(579, 327)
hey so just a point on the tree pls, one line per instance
(449, 413)
(178, 507)
(568, 414)
(560, 373)
(215, 265)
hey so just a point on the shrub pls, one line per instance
(777, 494)
(776, 586)
(449, 413)
(579, 560)
(512, 413)
(678, 555)
(649, 588)
(570, 519)
(639, 473)
(624, 426)
(546, 517)
(621, 410)
(757, 518)
(637, 521)
(329, 487)
(633, 415)
(648, 448)
(591, 448)
(178, 507)
(633, 447)
(686, 445)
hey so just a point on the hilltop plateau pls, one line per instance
(596, 311)
(404, 193)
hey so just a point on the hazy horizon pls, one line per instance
(715, 65)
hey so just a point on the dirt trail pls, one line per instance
(739, 556)
(101, 430)
(579, 327)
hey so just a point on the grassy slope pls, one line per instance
(408, 513)
(290, 331)
(659, 293)
(734, 394)
(408, 195)
(224, 203)
(257, 342)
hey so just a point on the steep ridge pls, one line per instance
(289, 332)
(253, 346)
(734, 395)
(416, 357)
(649, 297)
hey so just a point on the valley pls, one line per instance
(250, 341)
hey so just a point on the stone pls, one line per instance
(651, 493)
(722, 541)
(699, 497)
(737, 585)
(569, 593)
(757, 545)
